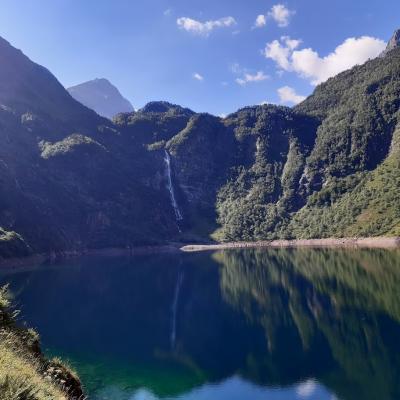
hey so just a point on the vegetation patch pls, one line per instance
(68, 145)
(25, 374)
(12, 244)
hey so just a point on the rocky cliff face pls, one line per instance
(71, 180)
(101, 96)
(393, 43)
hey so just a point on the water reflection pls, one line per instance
(338, 311)
(248, 324)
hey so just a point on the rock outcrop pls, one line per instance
(393, 43)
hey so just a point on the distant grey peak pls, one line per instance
(395, 40)
(101, 96)
(393, 43)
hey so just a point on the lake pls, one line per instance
(233, 324)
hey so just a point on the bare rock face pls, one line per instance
(101, 96)
(393, 43)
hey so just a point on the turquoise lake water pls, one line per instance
(235, 324)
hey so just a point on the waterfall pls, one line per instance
(174, 308)
(170, 187)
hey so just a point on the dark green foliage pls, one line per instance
(272, 146)
(155, 122)
(346, 180)
(359, 110)
(69, 146)
(359, 205)
(202, 155)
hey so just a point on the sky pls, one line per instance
(212, 56)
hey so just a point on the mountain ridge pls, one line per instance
(71, 180)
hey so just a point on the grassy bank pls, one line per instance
(25, 374)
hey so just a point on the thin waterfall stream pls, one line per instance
(170, 187)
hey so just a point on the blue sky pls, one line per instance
(208, 55)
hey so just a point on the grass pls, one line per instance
(21, 375)
(24, 373)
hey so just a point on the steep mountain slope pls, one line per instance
(353, 172)
(329, 167)
(101, 96)
(68, 180)
(71, 180)
(273, 144)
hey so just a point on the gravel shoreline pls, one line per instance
(38, 259)
(373, 242)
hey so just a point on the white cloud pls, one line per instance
(279, 13)
(167, 12)
(308, 64)
(289, 95)
(280, 51)
(204, 28)
(247, 78)
(351, 52)
(261, 21)
(197, 76)
(306, 389)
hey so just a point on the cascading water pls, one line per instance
(170, 187)
(174, 309)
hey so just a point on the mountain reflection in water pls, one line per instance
(248, 324)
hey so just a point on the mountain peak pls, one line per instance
(393, 43)
(157, 107)
(163, 107)
(101, 96)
